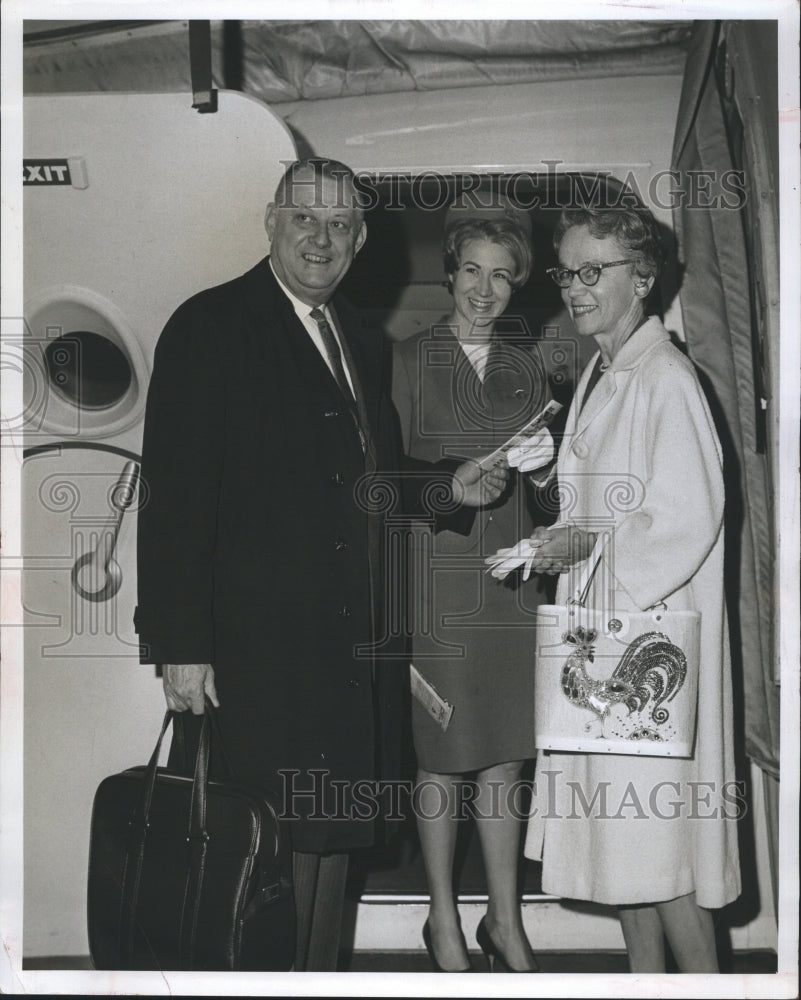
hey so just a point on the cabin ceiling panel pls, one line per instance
(278, 61)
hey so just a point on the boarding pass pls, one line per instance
(426, 694)
(543, 418)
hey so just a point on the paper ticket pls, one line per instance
(437, 707)
(542, 419)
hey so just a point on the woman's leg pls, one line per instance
(498, 821)
(688, 927)
(435, 807)
(645, 942)
(690, 931)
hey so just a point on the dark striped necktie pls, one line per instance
(334, 353)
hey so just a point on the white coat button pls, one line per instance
(580, 449)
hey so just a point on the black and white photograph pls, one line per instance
(400, 499)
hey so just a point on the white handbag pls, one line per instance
(611, 681)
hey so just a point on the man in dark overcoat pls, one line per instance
(260, 565)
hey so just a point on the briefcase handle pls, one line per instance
(197, 840)
(196, 833)
(178, 751)
(209, 730)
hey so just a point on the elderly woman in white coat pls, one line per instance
(666, 852)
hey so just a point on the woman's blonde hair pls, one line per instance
(502, 232)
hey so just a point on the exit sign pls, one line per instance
(67, 172)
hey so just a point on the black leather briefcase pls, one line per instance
(187, 872)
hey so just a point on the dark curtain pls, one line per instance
(726, 223)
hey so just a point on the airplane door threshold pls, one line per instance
(403, 898)
(551, 925)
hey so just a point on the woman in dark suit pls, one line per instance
(461, 389)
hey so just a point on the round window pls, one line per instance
(88, 369)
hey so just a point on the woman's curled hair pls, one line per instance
(635, 229)
(502, 232)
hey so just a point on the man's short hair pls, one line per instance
(321, 168)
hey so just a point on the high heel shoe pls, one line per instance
(432, 956)
(495, 958)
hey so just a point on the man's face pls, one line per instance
(314, 236)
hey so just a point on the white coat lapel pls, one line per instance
(629, 357)
(599, 397)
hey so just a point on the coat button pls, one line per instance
(344, 611)
(330, 414)
(580, 449)
(353, 682)
(340, 544)
(520, 393)
(338, 479)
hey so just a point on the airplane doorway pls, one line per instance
(398, 281)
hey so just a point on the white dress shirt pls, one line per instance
(303, 312)
(477, 354)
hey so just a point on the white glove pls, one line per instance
(533, 453)
(505, 560)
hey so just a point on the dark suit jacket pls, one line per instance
(254, 546)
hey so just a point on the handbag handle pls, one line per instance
(581, 593)
(582, 589)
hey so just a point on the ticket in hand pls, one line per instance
(437, 707)
(543, 418)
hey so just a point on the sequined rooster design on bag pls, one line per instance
(651, 672)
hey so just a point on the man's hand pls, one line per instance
(474, 486)
(186, 684)
(560, 548)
